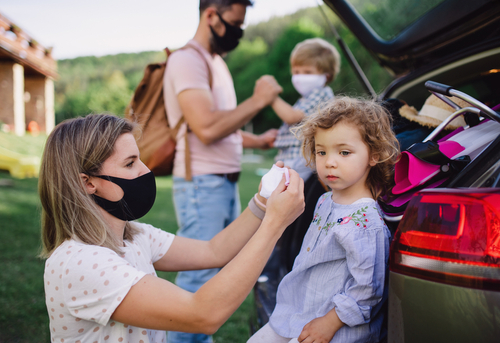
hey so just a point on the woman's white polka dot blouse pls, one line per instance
(85, 283)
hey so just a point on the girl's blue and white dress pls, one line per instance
(342, 264)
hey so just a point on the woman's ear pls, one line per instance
(87, 183)
(374, 160)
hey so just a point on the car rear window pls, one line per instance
(389, 17)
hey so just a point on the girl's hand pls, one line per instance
(321, 329)
(286, 203)
(318, 330)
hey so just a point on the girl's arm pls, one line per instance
(286, 112)
(321, 329)
(158, 304)
(367, 252)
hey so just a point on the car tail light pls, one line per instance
(451, 236)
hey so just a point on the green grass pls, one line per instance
(26, 145)
(23, 315)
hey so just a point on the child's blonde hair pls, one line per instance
(77, 146)
(374, 124)
(319, 53)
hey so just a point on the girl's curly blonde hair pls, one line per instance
(374, 124)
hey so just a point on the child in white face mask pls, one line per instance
(314, 64)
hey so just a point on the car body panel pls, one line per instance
(426, 311)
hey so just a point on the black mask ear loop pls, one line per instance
(85, 182)
(234, 31)
(231, 38)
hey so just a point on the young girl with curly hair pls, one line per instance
(337, 287)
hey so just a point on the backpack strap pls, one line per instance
(187, 158)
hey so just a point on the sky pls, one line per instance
(102, 27)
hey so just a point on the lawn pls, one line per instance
(24, 316)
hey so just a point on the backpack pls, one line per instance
(147, 108)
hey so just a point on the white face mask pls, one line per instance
(306, 83)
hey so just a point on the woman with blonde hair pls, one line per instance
(100, 280)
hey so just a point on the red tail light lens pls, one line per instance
(450, 236)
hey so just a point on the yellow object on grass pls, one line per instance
(19, 166)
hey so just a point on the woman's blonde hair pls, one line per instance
(319, 53)
(76, 146)
(374, 124)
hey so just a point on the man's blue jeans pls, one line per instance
(203, 207)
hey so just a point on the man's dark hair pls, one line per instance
(222, 5)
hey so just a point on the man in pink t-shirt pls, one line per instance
(210, 201)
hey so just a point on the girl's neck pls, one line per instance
(347, 198)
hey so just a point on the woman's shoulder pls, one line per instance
(72, 255)
(148, 231)
(76, 248)
(71, 247)
(151, 237)
(142, 228)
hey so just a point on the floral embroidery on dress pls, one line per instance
(322, 200)
(358, 218)
(327, 227)
(317, 217)
(344, 220)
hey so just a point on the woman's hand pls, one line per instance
(261, 198)
(286, 203)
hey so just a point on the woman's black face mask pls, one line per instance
(139, 195)
(230, 40)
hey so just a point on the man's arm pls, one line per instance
(262, 141)
(209, 124)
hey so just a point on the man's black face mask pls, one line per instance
(229, 41)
